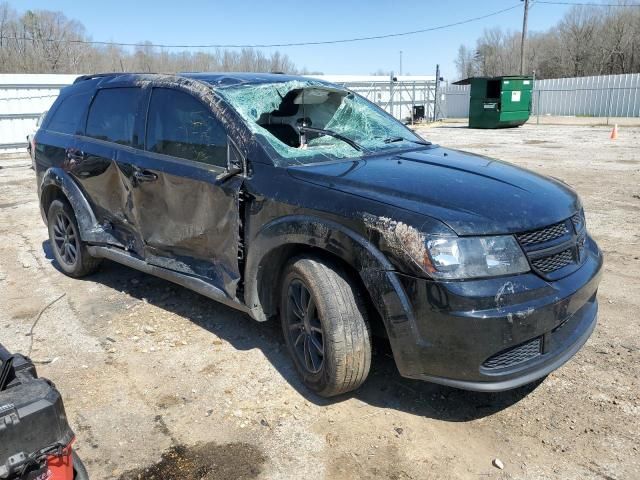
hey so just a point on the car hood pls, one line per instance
(472, 194)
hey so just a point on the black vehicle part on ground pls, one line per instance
(33, 423)
(79, 470)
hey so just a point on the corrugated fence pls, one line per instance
(601, 96)
(23, 98)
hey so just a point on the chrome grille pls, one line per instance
(543, 235)
(515, 355)
(553, 262)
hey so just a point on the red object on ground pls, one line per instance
(60, 467)
(614, 132)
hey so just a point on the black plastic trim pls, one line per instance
(528, 377)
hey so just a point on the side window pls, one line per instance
(181, 126)
(113, 114)
(66, 117)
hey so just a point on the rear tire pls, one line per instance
(325, 326)
(68, 249)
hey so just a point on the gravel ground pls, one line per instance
(159, 382)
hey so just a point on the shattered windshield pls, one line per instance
(310, 121)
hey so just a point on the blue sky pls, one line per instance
(202, 21)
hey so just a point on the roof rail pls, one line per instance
(91, 76)
(82, 78)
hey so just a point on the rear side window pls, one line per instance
(112, 115)
(66, 117)
(181, 126)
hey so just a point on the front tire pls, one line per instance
(68, 249)
(325, 327)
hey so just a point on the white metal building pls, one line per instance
(397, 95)
(23, 98)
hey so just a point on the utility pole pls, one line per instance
(435, 93)
(400, 63)
(524, 35)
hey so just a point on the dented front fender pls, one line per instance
(375, 270)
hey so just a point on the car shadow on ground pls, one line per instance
(384, 387)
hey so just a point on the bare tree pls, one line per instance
(43, 41)
(616, 39)
(586, 41)
(465, 62)
(497, 52)
(577, 31)
(7, 21)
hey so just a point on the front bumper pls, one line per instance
(497, 334)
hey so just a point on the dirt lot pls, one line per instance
(161, 383)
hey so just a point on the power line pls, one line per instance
(590, 4)
(269, 45)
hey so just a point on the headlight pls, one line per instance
(473, 257)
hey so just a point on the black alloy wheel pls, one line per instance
(65, 239)
(325, 327)
(69, 250)
(305, 328)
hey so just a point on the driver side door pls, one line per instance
(187, 218)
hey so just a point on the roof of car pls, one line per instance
(215, 79)
(235, 78)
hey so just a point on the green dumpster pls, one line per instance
(499, 102)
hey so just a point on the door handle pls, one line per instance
(76, 155)
(144, 176)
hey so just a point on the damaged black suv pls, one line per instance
(290, 197)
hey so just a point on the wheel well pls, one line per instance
(49, 194)
(273, 265)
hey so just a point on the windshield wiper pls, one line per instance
(333, 134)
(400, 139)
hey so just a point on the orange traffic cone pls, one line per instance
(614, 132)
